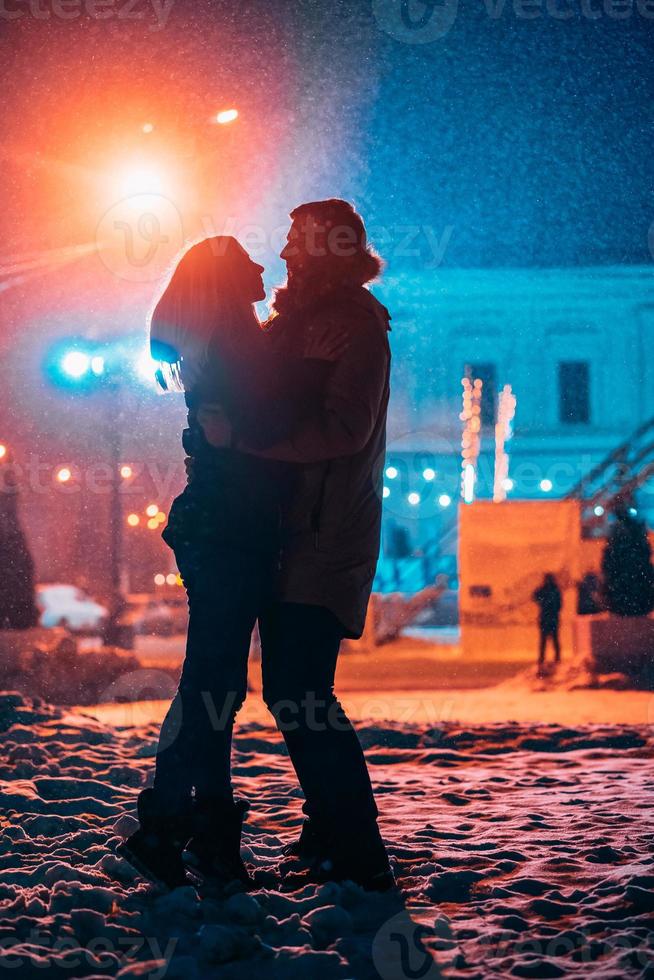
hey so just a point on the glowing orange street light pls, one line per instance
(160, 579)
(64, 474)
(126, 472)
(3, 451)
(133, 520)
(147, 127)
(226, 116)
(153, 524)
(141, 181)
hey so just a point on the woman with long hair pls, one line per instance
(225, 532)
(331, 537)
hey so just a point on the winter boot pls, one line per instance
(214, 851)
(155, 849)
(357, 855)
(309, 846)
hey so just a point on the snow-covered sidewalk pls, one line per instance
(521, 851)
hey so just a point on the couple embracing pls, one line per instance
(279, 524)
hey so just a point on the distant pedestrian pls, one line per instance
(589, 595)
(548, 598)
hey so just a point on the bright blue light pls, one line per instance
(146, 367)
(83, 365)
(75, 364)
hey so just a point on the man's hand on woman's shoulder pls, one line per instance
(325, 339)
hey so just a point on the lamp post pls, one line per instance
(114, 633)
(88, 367)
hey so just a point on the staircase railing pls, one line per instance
(619, 474)
(416, 571)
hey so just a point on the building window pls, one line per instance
(574, 392)
(487, 374)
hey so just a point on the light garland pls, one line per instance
(471, 438)
(503, 431)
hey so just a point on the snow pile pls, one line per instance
(521, 852)
(573, 673)
(47, 664)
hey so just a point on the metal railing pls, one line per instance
(618, 475)
(420, 569)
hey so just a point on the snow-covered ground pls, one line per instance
(522, 850)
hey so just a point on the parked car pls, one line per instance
(155, 615)
(66, 605)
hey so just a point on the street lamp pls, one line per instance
(226, 116)
(88, 367)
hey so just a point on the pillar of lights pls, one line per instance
(471, 438)
(503, 431)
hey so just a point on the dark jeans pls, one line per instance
(552, 633)
(226, 593)
(300, 647)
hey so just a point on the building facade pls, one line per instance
(574, 344)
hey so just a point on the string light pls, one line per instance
(469, 477)
(471, 437)
(503, 431)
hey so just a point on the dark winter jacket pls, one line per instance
(548, 597)
(331, 531)
(233, 500)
